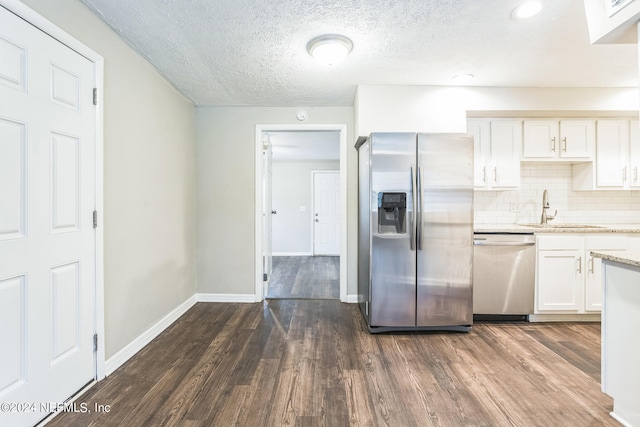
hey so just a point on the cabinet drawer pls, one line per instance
(563, 243)
(606, 242)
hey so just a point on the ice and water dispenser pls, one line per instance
(392, 210)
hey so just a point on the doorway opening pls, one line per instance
(301, 226)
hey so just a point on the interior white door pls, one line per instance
(47, 241)
(326, 203)
(267, 212)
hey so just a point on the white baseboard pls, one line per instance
(126, 353)
(352, 299)
(225, 298)
(591, 317)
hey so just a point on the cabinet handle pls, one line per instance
(635, 174)
(553, 144)
(484, 174)
(565, 144)
(624, 174)
(579, 264)
(591, 265)
(495, 174)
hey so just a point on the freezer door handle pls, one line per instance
(412, 236)
(419, 207)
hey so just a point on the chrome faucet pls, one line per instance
(545, 205)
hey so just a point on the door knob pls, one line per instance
(274, 212)
(317, 220)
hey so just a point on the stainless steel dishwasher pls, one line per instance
(503, 275)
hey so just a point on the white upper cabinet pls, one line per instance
(481, 131)
(634, 154)
(612, 152)
(558, 140)
(497, 145)
(506, 149)
(617, 158)
(540, 139)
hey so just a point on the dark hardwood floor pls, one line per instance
(313, 277)
(312, 363)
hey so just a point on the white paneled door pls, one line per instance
(47, 240)
(326, 204)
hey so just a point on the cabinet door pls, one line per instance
(593, 274)
(577, 139)
(560, 280)
(611, 153)
(481, 132)
(593, 284)
(506, 143)
(540, 139)
(634, 154)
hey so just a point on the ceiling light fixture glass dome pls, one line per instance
(330, 49)
(527, 9)
(462, 78)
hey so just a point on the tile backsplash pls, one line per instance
(524, 205)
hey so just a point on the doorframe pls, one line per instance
(260, 130)
(49, 28)
(313, 206)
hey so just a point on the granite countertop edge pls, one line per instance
(592, 228)
(629, 257)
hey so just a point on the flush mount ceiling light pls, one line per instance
(462, 78)
(527, 9)
(330, 49)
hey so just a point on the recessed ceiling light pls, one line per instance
(330, 49)
(462, 78)
(527, 9)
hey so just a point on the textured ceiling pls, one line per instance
(253, 52)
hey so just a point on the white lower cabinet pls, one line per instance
(568, 278)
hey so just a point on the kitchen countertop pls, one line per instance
(575, 228)
(628, 257)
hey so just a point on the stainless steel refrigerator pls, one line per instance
(415, 233)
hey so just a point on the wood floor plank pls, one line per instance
(312, 277)
(313, 363)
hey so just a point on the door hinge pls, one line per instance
(95, 342)
(95, 219)
(265, 277)
(95, 96)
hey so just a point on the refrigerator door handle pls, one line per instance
(412, 236)
(419, 207)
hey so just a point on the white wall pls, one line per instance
(226, 192)
(445, 109)
(149, 181)
(292, 229)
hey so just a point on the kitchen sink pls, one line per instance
(560, 226)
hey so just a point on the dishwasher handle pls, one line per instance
(485, 243)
